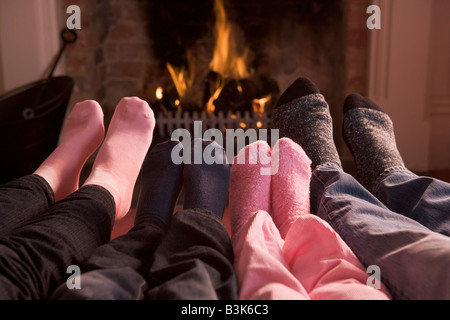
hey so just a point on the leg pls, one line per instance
(261, 269)
(290, 185)
(315, 254)
(369, 132)
(413, 260)
(22, 200)
(423, 199)
(117, 269)
(375, 234)
(195, 258)
(161, 184)
(35, 257)
(206, 186)
(58, 176)
(71, 229)
(303, 115)
(82, 134)
(249, 186)
(120, 158)
(325, 265)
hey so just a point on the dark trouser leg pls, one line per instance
(116, 270)
(34, 258)
(22, 200)
(194, 260)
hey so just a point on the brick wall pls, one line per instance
(113, 55)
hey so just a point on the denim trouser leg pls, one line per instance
(34, 258)
(423, 199)
(116, 270)
(194, 260)
(414, 261)
(22, 200)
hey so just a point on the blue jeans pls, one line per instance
(423, 199)
(414, 260)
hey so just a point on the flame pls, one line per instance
(226, 61)
(182, 77)
(260, 104)
(210, 107)
(159, 93)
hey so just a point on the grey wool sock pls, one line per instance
(303, 115)
(369, 133)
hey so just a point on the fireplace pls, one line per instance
(224, 62)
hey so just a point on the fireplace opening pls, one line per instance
(224, 62)
(228, 59)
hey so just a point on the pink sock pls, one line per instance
(120, 158)
(249, 184)
(82, 134)
(290, 185)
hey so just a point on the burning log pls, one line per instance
(168, 102)
(240, 95)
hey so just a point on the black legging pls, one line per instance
(192, 259)
(39, 240)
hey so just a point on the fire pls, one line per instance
(159, 93)
(260, 104)
(226, 61)
(182, 77)
(210, 105)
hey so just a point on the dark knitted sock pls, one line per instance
(303, 115)
(369, 133)
(206, 185)
(161, 183)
